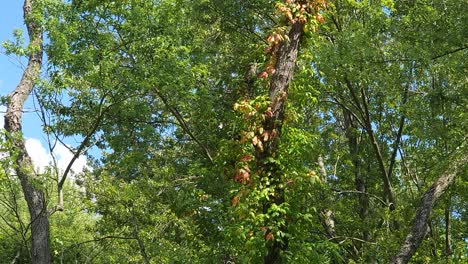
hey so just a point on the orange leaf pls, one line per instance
(320, 18)
(242, 176)
(268, 112)
(235, 200)
(246, 158)
(271, 69)
(263, 75)
(271, 39)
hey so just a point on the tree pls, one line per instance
(30, 180)
(259, 131)
(420, 222)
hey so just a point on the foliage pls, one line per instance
(162, 91)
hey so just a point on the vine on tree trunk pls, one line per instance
(258, 167)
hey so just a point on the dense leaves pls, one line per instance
(211, 143)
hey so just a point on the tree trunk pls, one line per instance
(23, 165)
(141, 245)
(448, 245)
(279, 86)
(418, 231)
(353, 142)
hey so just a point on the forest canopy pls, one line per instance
(229, 131)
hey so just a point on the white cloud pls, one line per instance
(64, 156)
(41, 157)
(38, 154)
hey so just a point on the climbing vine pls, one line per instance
(258, 167)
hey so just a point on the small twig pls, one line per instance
(359, 192)
(352, 238)
(336, 166)
(18, 254)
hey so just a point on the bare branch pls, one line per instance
(359, 192)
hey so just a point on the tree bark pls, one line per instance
(351, 128)
(375, 145)
(286, 60)
(23, 165)
(419, 228)
(141, 245)
(448, 244)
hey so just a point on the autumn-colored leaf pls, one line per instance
(289, 16)
(260, 146)
(263, 75)
(271, 69)
(271, 39)
(268, 112)
(235, 200)
(246, 158)
(243, 175)
(255, 141)
(320, 18)
(273, 134)
(265, 136)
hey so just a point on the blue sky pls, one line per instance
(11, 69)
(11, 17)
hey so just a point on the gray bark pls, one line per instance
(448, 244)
(420, 222)
(279, 90)
(23, 165)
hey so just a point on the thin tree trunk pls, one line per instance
(326, 215)
(141, 245)
(419, 228)
(23, 165)
(448, 244)
(351, 129)
(375, 145)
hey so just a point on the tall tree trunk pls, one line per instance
(419, 228)
(286, 60)
(351, 130)
(23, 165)
(448, 244)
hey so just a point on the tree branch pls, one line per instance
(183, 124)
(359, 192)
(419, 228)
(385, 177)
(396, 144)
